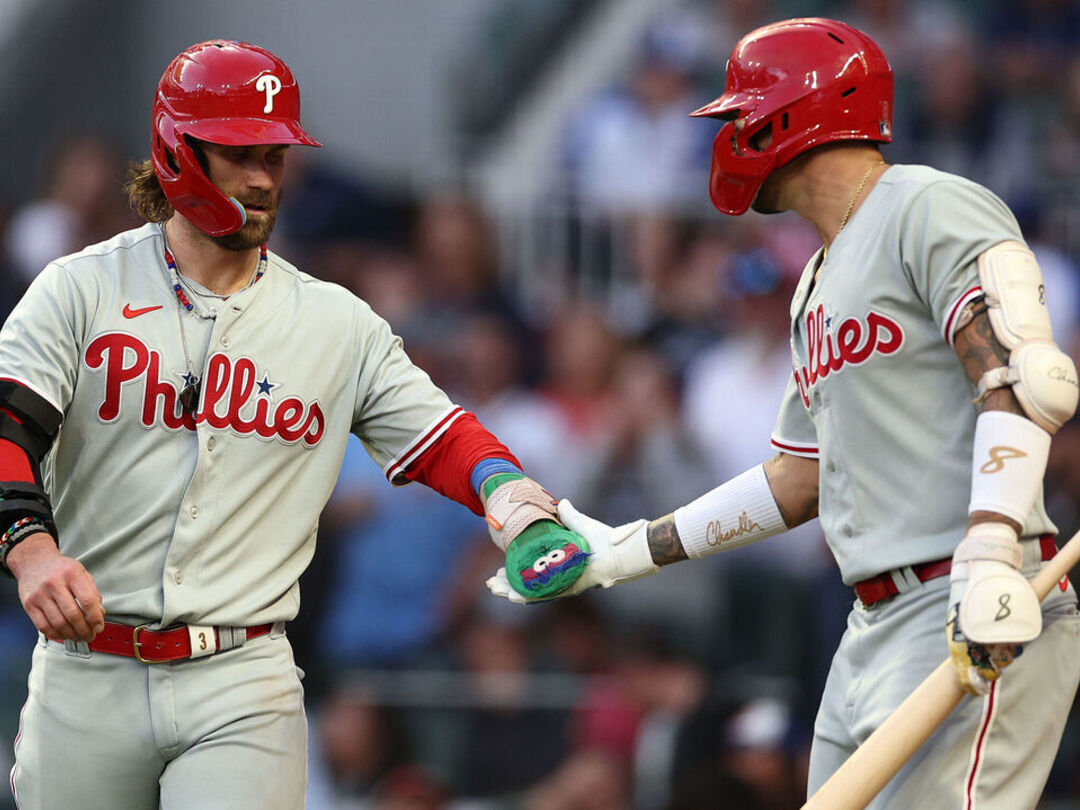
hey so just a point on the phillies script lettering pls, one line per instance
(227, 391)
(854, 342)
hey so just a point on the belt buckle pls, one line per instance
(136, 645)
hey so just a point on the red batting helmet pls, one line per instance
(224, 92)
(807, 81)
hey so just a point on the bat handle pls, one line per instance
(876, 761)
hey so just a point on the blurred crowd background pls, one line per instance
(624, 339)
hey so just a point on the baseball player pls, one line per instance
(174, 407)
(926, 388)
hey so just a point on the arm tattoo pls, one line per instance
(979, 351)
(664, 543)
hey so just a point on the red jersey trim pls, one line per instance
(954, 310)
(446, 462)
(804, 450)
(978, 750)
(417, 446)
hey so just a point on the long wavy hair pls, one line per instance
(145, 194)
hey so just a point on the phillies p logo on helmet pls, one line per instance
(271, 85)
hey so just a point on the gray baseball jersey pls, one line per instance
(206, 519)
(878, 394)
(880, 398)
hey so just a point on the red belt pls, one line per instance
(882, 587)
(157, 646)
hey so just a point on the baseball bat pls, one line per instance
(910, 725)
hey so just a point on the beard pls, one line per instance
(255, 230)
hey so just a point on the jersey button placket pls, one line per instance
(193, 511)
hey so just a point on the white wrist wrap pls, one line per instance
(514, 506)
(989, 541)
(737, 513)
(1008, 464)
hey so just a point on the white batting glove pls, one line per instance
(993, 610)
(618, 554)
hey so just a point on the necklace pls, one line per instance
(189, 397)
(855, 196)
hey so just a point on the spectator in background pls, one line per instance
(397, 562)
(963, 120)
(1032, 42)
(11, 284)
(514, 739)
(757, 748)
(326, 206)
(590, 780)
(758, 277)
(358, 744)
(487, 371)
(456, 253)
(411, 787)
(672, 299)
(642, 124)
(645, 458)
(793, 588)
(82, 205)
(1059, 170)
(741, 745)
(581, 354)
(456, 249)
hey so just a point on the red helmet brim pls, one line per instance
(247, 131)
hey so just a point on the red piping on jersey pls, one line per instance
(446, 463)
(954, 310)
(980, 746)
(15, 750)
(805, 450)
(417, 446)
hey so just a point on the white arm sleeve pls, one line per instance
(736, 513)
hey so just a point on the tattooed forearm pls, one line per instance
(664, 543)
(979, 351)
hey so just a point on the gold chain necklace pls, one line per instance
(855, 196)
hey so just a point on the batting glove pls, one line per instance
(993, 610)
(618, 554)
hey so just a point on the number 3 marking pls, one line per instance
(202, 641)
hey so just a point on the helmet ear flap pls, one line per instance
(182, 172)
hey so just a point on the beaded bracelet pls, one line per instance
(16, 533)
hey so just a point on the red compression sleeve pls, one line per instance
(447, 465)
(14, 463)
